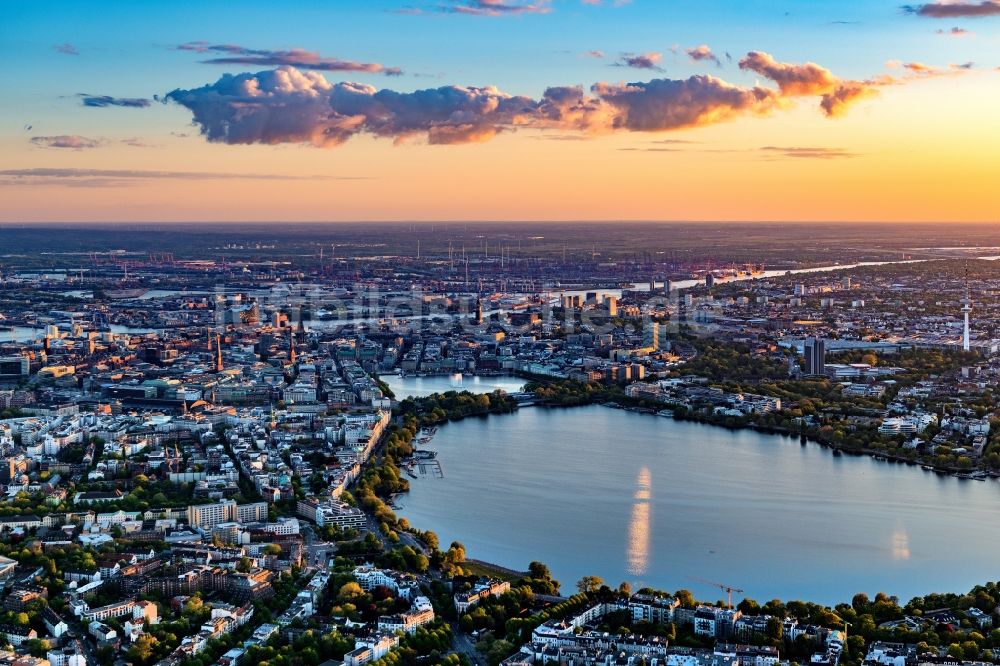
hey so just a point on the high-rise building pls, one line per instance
(966, 310)
(709, 280)
(479, 311)
(207, 516)
(655, 336)
(815, 353)
(651, 335)
(571, 301)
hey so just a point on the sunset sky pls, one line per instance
(500, 109)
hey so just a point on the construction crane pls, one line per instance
(728, 589)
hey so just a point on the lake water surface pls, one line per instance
(653, 501)
(411, 386)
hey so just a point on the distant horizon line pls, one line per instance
(449, 222)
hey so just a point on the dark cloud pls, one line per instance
(98, 101)
(71, 141)
(650, 60)
(290, 106)
(941, 9)
(234, 54)
(66, 49)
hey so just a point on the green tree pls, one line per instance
(589, 584)
(143, 649)
(350, 590)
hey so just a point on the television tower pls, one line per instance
(218, 353)
(966, 309)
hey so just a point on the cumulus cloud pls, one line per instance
(703, 53)
(71, 141)
(66, 49)
(286, 105)
(810, 79)
(792, 79)
(98, 101)
(836, 102)
(234, 54)
(650, 60)
(958, 9)
(663, 104)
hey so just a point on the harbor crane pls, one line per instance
(728, 589)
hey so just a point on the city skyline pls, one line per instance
(559, 110)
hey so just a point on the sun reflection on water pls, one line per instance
(900, 543)
(638, 530)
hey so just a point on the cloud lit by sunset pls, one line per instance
(502, 109)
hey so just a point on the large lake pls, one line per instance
(658, 502)
(28, 333)
(418, 387)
